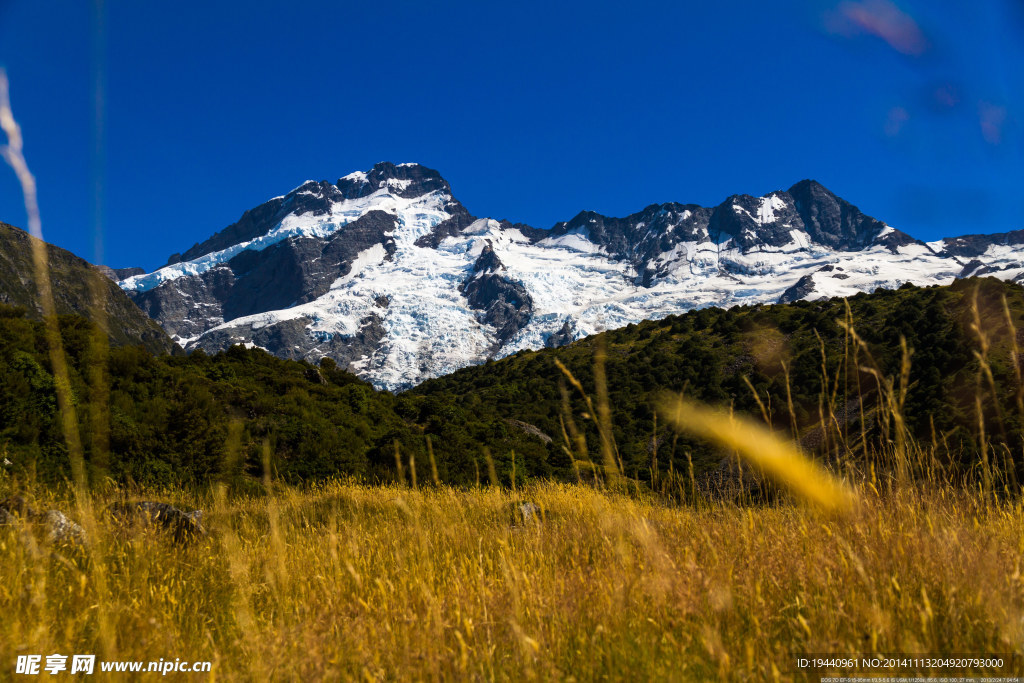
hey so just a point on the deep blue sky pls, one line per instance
(532, 110)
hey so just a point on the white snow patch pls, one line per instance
(574, 241)
(395, 182)
(766, 210)
(370, 256)
(800, 238)
(358, 176)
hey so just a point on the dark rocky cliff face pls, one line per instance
(460, 220)
(803, 287)
(970, 246)
(503, 303)
(414, 180)
(737, 219)
(285, 274)
(124, 323)
(836, 223)
(639, 237)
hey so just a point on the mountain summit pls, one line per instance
(387, 273)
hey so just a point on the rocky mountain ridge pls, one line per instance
(124, 322)
(390, 275)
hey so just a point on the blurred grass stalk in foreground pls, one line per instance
(779, 459)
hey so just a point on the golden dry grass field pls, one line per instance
(349, 581)
(346, 581)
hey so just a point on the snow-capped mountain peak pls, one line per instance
(387, 273)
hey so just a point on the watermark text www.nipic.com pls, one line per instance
(35, 665)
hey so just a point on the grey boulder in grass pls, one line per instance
(182, 526)
(58, 527)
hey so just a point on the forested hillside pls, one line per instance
(197, 417)
(785, 351)
(192, 418)
(72, 278)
